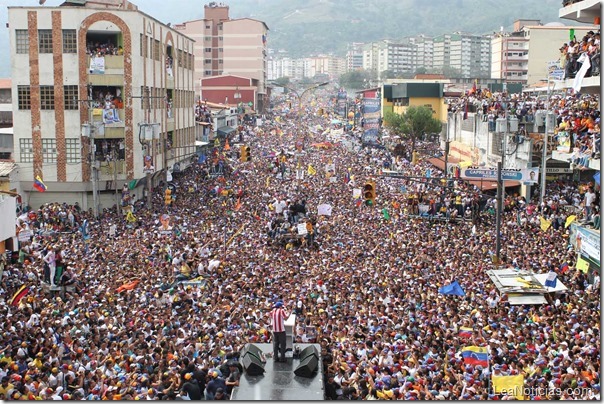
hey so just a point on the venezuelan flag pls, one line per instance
(475, 355)
(39, 184)
(465, 332)
(19, 294)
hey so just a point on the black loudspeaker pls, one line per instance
(252, 365)
(309, 350)
(307, 367)
(254, 350)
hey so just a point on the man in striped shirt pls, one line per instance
(278, 316)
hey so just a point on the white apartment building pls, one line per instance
(469, 54)
(424, 50)
(102, 96)
(354, 56)
(384, 55)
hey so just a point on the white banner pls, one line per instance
(356, 193)
(302, 229)
(324, 210)
(97, 65)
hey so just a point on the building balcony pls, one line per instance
(584, 11)
(108, 168)
(111, 122)
(590, 85)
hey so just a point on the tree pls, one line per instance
(414, 122)
(282, 81)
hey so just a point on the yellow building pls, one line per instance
(400, 96)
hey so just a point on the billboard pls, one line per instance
(371, 120)
(341, 101)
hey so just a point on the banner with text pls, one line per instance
(371, 120)
(528, 175)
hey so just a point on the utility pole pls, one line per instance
(499, 212)
(147, 143)
(89, 130)
(117, 198)
(549, 123)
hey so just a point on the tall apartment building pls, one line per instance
(424, 51)
(102, 95)
(469, 54)
(225, 46)
(286, 67)
(398, 57)
(354, 56)
(325, 64)
(523, 55)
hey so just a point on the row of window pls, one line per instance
(47, 97)
(49, 150)
(70, 42)
(151, 48)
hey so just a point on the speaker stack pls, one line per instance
(309, 362)
(251, 360)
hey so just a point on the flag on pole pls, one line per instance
(311, 170)
(466, 332)
(545, 224)
(454, 288)
(475, 356)
(386, 214)
(39, 184)
(19, 294)
(509, 385)
(551, 280)
(569, 220)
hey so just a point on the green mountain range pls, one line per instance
(305, 27)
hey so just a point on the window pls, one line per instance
(143, 45)
(156, 50)
(45, 41)
(70, 97)
(26, 150)
(49, 150)
(72, 149)
(220, 49)
(219, 61)
(70, 43)
(220, 38)
(208, 73)
(207, 61)
(24, 97)
(208, 27)
(22, 41)
(207, 38)
(208, 49)
(47, 97)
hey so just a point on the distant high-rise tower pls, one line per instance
(228, 46)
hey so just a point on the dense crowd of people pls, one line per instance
(366, 287)
(576, 52)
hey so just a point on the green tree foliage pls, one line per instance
(414, 122)
(357, 79)
(282, 81)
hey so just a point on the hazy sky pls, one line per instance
(173, 11)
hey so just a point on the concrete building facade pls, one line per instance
(102, 95)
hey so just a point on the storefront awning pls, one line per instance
(199, 143)
(225, 130)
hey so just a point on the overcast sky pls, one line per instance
(173, 11)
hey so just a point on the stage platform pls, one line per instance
(279, 381)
